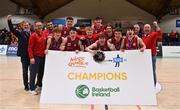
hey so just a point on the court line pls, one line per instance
(168, 82)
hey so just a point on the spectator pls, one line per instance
(172, 35)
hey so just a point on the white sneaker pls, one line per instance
(38, 89)
(158, 88)
(33, 92)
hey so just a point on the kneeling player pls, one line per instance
(101, 44)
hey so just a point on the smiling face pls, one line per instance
(117, 34)
(130, 32)
(136, 28)
(102, 41)
(147, 28)
(69, 23)
(72, 33)
(49, 26)
(26, 26)
(89, 32)
(38, 26)
(109, 29)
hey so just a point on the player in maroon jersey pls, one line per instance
(101, 44)
(72, 42)
(132, 41)
(117, 39)
(55, 41)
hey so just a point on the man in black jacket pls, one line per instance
(23, 39)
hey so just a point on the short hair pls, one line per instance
(136, 25)
(118, 30)
(130, 28)
(81, 25)
(37, 22)
(97, 18)
(108, 25)
(57, 29)
(89, 29)
(147, 25)
(48, 21)
(102, 36)
(72, 29)
(69, 18)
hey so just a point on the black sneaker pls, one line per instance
(26, 88)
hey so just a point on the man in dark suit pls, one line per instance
(23, 39)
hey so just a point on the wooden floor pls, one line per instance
(13, 97)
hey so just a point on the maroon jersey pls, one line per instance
(131, 44)
(55, 44)
(65, 31)
(116, 43)
(72, 45)
(79, 32)
(109, 35)
(88, 42)
(103, 47)
(98, 30)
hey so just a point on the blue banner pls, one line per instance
(12, 50)
(177, 23)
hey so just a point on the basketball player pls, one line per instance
(72, 42)
(132, 41)
(55, 41)
(101, 44)
(117, 39)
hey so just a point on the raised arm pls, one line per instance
(11, 28)
(158, 33)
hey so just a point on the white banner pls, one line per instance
(3, 49)
(171, 51)
(72, 78)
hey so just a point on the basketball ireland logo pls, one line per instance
(82, 91)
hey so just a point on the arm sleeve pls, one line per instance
(11, 28)
(30, 46)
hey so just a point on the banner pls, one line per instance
(171, 51)
(12, 50)
(124, 78)
(3, 49)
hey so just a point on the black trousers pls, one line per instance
(25, 65)
(37, 69)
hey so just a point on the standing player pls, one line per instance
(108, 31)
(137, 30)
(69, 24)
(132, 41)
(90, 38)
(150, 38)
(72, 42)
(55, 41)
(117, 39)
(49, 29)
(98, 26)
